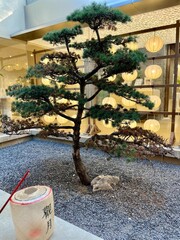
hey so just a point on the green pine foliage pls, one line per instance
(62, 70)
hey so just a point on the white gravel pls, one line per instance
(144, 206)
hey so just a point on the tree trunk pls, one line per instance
(79, 166)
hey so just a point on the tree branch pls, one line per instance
(94, 95)
(90, 74)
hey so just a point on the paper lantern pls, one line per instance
(32, 211)
(60, 84)
(61, 120)
(49, 119)
(127, 102)
(112, 78)
(113, 49)
(46, 81)
(107, 125)
(109, 100)
(154, 44)
(156, 100)
(45, 60)
(153, 71)
(130, 76)
(73, 102)
(62, 100)
(130, 139)
(132, 46)
(152, 125)
(130, 123)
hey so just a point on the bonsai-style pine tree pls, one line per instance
(61, 68)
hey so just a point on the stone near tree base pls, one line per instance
(103, 182)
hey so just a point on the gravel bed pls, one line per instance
(144, 206)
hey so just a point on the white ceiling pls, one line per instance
(7, 7)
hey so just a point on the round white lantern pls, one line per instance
(32, 211)
(45, 61)
(73, 102)
(153, 71)
(49, 119)
(130, 76)
(113, 49)
(112, 78)
(129, 123)
(46, 81)
(152, 125)
(132, 46)
(62, 100)
(127, 102)
(61, 120)
(107, 125)
(109, 100)
(60, 84)
(156, 100)
(154, 44)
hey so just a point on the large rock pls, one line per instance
(103, 182)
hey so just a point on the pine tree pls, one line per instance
(62, 70)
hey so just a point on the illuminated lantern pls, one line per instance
(112, 78)
(73, 102)
(110, 101)
(46, 81)
(156, 100)
(62, 100)
(127, 102)
(45, 61)
(152, 125)
(153, 71)
(60, 84)
(129, 77)
(61, 120)
(49, 119)
(129, 123)
(154, 44)
(130, 139)
(107, 125)
(113, 49)
(132, 46)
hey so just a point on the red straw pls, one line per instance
(16, 188)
